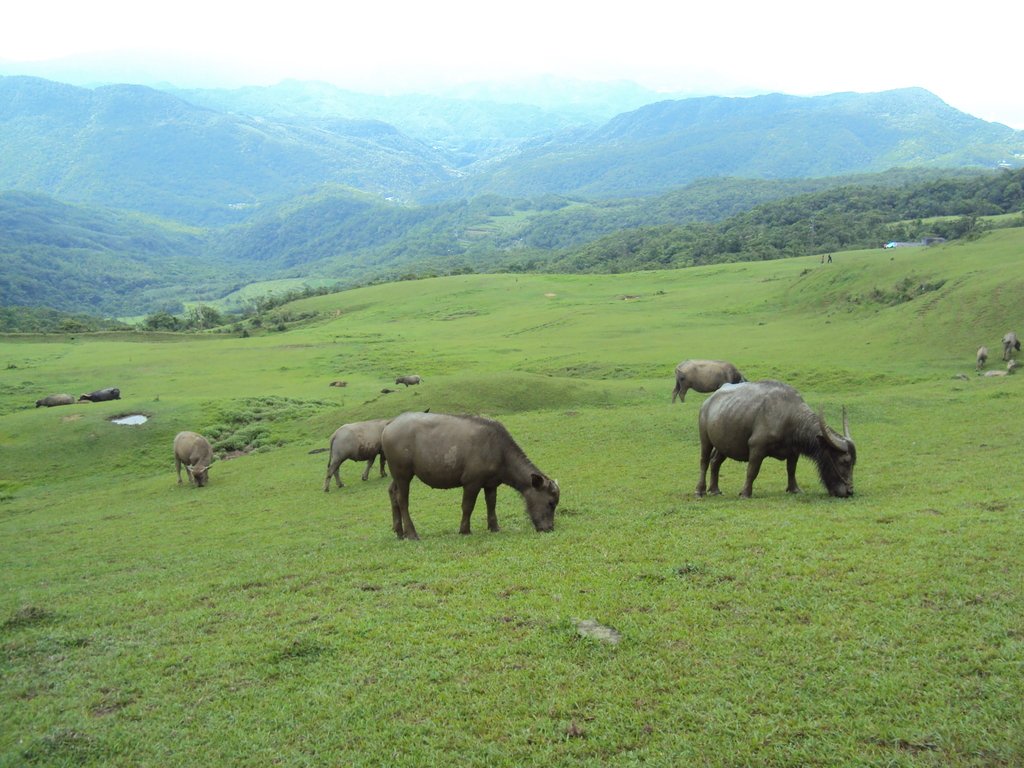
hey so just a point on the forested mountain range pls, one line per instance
(124, 199)
(671, 143)
(81, 259)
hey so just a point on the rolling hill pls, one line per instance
(262, 621)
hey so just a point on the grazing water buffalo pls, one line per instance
(1010, 343)
(194, 451)
(704, 376)
(359, 441)
(982, 357)
(407, 380)
(110, 393)
(469, 452)
(51, 400)
(754, 420)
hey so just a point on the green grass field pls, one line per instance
(259, 621)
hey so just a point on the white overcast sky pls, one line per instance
(968, 54)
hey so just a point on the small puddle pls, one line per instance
(132, 419)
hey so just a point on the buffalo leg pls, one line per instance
(383, 461)
(410, 529)
(369, 466)
(396, 512)
(177, 465)
(491, 497)
(705, 456)
(333, 469)
(401, 522)
(717, 459)
(792, 487)
(469, 494)
(753, 467)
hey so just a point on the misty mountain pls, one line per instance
(670, 143)
(135, 148)
(466, 130)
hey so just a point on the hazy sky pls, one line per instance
(967, 54)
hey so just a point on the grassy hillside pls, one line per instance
(261, 621)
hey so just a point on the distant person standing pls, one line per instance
(830, 258)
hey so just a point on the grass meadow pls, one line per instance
(259, 621)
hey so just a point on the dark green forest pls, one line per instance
(353, 238)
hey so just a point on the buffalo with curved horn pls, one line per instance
(756, 420)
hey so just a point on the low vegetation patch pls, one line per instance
(907, 289)
(247, 425)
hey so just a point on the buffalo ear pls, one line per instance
(537, 481)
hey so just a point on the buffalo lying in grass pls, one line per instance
(51, 400)
(754, 420)
(470, 452)
(101, 395)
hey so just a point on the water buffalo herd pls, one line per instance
(742, 420)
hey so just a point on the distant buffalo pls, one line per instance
(339, 383)
(359, 441)
(470, 452)
(756, 420)
(982, 357)
(194, 451)
(407, 380)
(704, 376)
(51, 400)
(1010, 343)
(110, 393)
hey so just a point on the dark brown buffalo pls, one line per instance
(110, 393)
(704, 376)
(51, 400)
(470, 452)
(754, 420)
